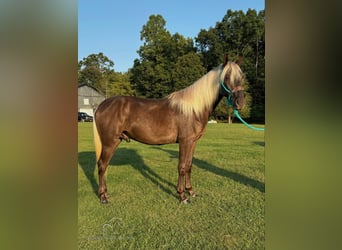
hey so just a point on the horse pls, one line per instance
(180, 117)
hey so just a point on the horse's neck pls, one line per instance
(206, 113)
(217, 101)
(215, 75)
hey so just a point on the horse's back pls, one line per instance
(124, 104)
(149, 121)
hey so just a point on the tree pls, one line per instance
(210, 47)
(150, 76)
(91, 76)
(94, 71)
(167, 62)
(187, 69)
(118, 84)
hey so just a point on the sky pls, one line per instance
(113, 27)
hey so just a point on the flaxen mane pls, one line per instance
(201, 94)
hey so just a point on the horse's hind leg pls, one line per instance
(106, 155)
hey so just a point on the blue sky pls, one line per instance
(113, 27)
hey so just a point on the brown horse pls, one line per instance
(180, 117)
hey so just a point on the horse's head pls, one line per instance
(231, 80)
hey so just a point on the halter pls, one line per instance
(229, 101)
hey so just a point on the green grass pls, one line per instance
(144, 212)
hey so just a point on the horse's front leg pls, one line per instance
(180, 186)
(185, 156)
(188, 185)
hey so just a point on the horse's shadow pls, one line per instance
(222, 172)
(259, 143)
(124, 156)
(87, 162)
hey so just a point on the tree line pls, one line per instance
(169, 62)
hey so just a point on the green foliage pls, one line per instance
(94, 71)
(211, 48)
(167, 62)
(150, 76)
(118, 84)
(99, 61)
(97, 71)
(91, 75)
(149, 79)
(187, 69)
(144, 212)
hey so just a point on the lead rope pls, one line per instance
(229, 104)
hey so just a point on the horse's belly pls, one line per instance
(152, 132)
(152, 138)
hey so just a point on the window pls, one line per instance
(86, 101)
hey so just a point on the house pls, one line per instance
(88, 99)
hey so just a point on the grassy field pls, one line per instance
(144, 212)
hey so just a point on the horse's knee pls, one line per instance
(182, 172)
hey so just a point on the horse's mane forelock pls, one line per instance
(201, 95)
(235, 73)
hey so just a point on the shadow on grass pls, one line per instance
(87, 162)
(124, 156)
(222, 172)
(260, 143)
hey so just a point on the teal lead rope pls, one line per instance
(235, 111)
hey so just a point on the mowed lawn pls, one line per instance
(144, 212)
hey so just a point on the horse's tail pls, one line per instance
(97, 141)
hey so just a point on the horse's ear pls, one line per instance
(225, 59)
(239, 60)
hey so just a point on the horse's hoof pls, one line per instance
(186, 201)
(193, 195)
(104, 201)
